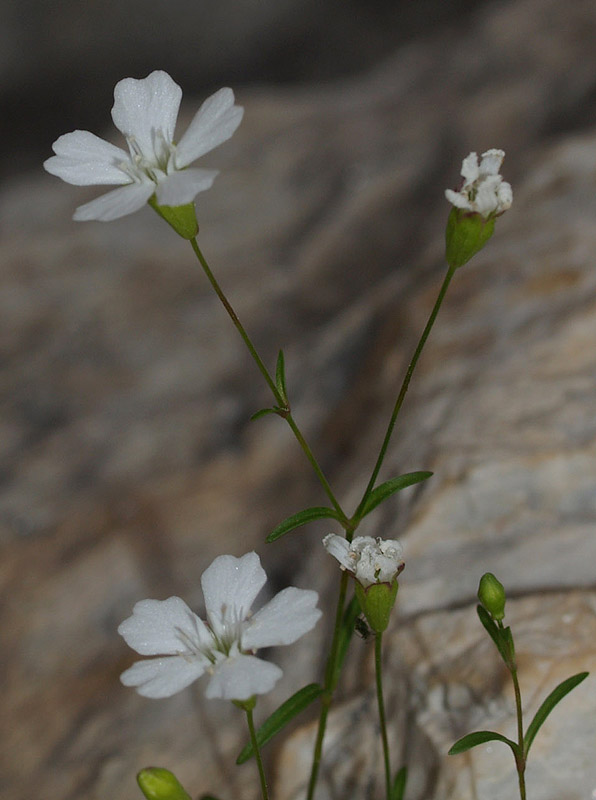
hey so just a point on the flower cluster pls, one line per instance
(145, 111)
(186, 647)
(483, 191)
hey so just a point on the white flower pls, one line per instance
(145, 111)
(370, 560)
(483, 191)
(186, 647)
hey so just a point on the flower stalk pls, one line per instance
(381, 705)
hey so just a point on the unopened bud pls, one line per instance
(491, 594)
(157, 783)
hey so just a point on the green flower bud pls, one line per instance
(182, 218)
(491, 594)
(157, 783)
(376, 602)
(466, 234)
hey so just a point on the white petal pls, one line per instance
(283, 620)
(505, 195)
(458, 199)
(117, 203)
(491, 162)
(182, 187)
(163, 677)
(241, 677)
(230, 586)
(469, 168)
(155, 626)
(83, 159)
(214, 123)
(144, 109)
(486, 201)
(339, 548)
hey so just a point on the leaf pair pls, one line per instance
(377, 496)
(481, 737)
(282, 393)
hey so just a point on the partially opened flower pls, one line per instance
(185, 647)
(370, 560)
(376, 565)
(483, 190)
(145, 111)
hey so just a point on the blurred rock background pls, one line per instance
(127, 459)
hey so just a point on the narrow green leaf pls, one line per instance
(280, 377)
(480, 737)
(384, 490)
(346, 632)
(301, 518)
(399, 784)
(547, 706)
(262, 412)
(284, 714)
(494, 632)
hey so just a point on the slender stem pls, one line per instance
(521, 763)
(382, 721)
(404, 387)
(234, 317)
(330, 684)
(257, 752)
(270, 382)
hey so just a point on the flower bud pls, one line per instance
(376, 602)
(157, 783)
(491, 594)
(182, 218)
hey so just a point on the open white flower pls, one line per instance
(483, 191)
(145, 111)
(186, 647)
(370, 560)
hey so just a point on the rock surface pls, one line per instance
(128, 457)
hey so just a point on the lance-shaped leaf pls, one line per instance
(384, 490)
(280, 718)
(301, 518)
(480, 737)
(547, 706)
(498, 636)
(345, 634)
(280, 377)
(399, 784)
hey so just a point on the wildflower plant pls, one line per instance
(181, 647)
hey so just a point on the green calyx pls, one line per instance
(182, 218)
(467, 233)
(491, 594)
(376, 602)
(158, 783)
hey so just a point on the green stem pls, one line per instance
(270, 382)
(521, 763)
(382, 721)
(330, 684)
(404, 387)
(257, 752)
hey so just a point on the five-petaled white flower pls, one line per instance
(483, 191)
(186, 647)
(145, 111)
(370, 560)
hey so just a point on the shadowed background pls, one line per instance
(128, 461)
